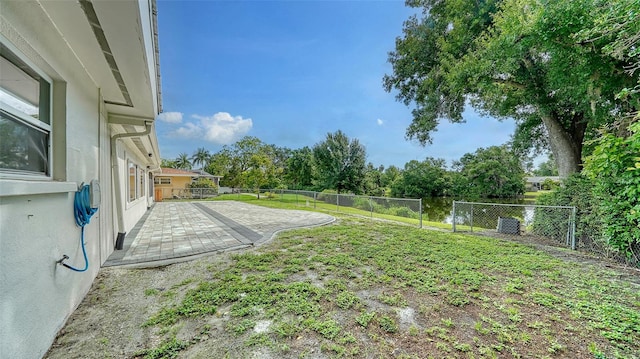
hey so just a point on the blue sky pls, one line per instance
(289, 72)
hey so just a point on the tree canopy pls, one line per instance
(519, 59)
(299, 170)
(426, 178)
(201, 157)
(490, 172)
(339, 163)
(182, 161)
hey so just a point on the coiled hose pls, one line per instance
(83, 213)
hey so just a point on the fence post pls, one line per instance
(315, 199)
(371, 206)
(471, 217)
(573, 228)
(420, 212)
(453, 219)
(338, 202)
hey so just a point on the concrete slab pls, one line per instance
(176, 231)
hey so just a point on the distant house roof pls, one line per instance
(175, 172)
(202, 173)
(540, 179)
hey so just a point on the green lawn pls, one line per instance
(291, 201)
(372, 289)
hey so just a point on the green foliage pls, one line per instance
(494, 172)
(346, 300)
(299, 169)
(183, 162)
(390, 175)
(203, 182)
(151, 291)
(168, 163)
(549, 184)
(514, 59)
(576, 190)
(422, 179)
(614, 166)
(388, 324)
(365, 318)
(547, 168)
(260, 171)
(617, 27)
(166, 350)
(373, 181)
(439, 273)
(249, 163)
(339, 163)
(220, 164)
(381, 206)
(201, 157)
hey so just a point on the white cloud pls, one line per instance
(170, 117)
(221, 128)
(380, 122)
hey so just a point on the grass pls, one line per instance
(366, 289)
(292, 201)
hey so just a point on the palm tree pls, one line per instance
(201, 157)
(183, 162)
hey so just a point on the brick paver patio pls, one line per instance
(173, 231)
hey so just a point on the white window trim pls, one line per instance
(160, 178)
(139, 189)
(9, 187)
(8, 174)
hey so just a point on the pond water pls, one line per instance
(438, 209)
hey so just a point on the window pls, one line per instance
(141, 177)
(136, 181)
(25, 117)
(162, 180)
(133, 172)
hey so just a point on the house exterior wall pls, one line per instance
(177, 183)
(133, 209)
(37, 225)
(105, 218)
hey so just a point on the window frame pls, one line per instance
(158, 180)
(29, 121)
(132, 171)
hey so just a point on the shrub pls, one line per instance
(362, 203)
(614, 167)
(404, 212)
(549, 184)
(202, 182)
(576, 190)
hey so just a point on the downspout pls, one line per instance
(115, 170)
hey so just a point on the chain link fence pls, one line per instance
(187, 193)
(406, 210)
(556, 223)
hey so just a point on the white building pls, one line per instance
(79, 92)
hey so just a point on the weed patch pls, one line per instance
(338, 289)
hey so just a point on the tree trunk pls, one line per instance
(565, 145)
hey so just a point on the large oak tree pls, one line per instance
(519, 59)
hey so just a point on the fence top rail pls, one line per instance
(514, 205)
(389, 198)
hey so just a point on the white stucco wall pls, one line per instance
(133, 210)
(36, 295)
